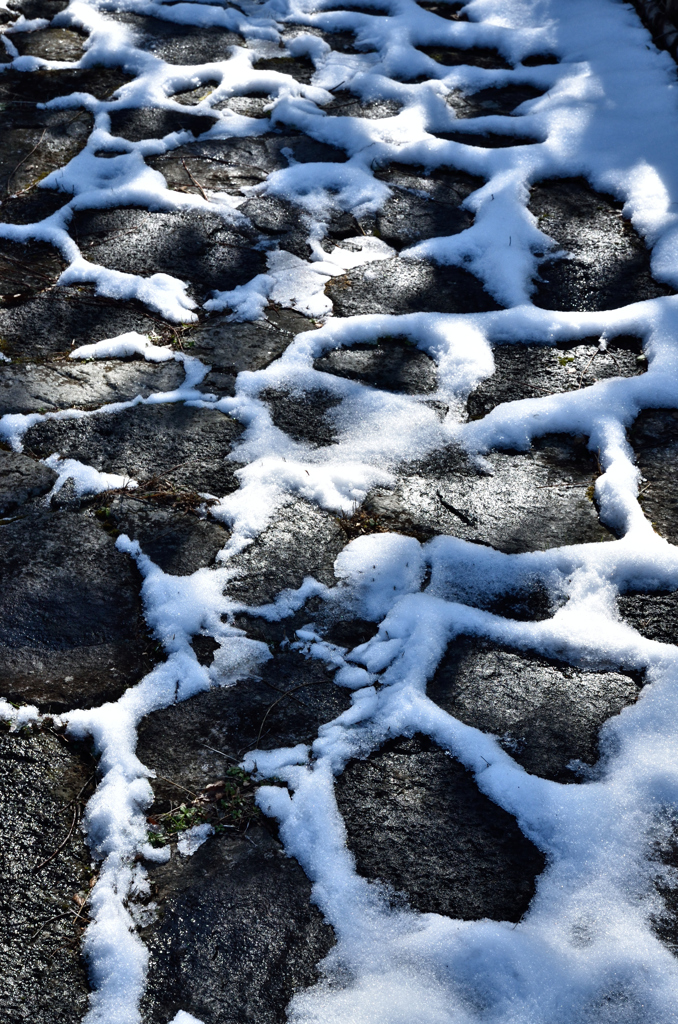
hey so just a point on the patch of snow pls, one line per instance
(193, 838)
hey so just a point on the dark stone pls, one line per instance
(179, 44)
(28, 267)
(231, 164)
(654, 615)
(608, 263)
(303, 415)
(238, 935)
(487, 140)
(184, 445)
(176, 539)
(534, 371)
(33, 143)
(408, 286)
(278, 217)
(303, 541)
(423, 205)
(538, 59)
(535, 500)
(339, 40)
(450, 11)
(204, 648)
(24, 88)
(654, 436)
(50, 44)
(71, 628)
(151, 123)
(300, 68)
(345, 104)
(37, 8)
(60, 320)
(230, 348)
(26, 387)
(22, 478)
(545, 714)
(479, 57)
(492, 101)
(33, 207)
(42, 975)
(417, 821)
(391, 364)
(192, 245)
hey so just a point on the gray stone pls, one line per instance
(26, 387)
(184, 445)
(479, 57)
(149, 123)
(608, 264)
(71, 627)
(654, 437)
(50, 44)
(33, 143)
(492, 101)
(417, 822)
(391, 364)
(545, 714)
(22, 478)
(44, 779)
(179, 44)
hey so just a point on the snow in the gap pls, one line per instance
(609, 114)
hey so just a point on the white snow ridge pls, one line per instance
(608, 114)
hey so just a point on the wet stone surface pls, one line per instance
(654, 438)
(50, 44)
(608, 264)
(535, 500)
(179, 44)
(546, 715)
(417, 822)
(185, 445)
(534, 371)
(345, 104)
(42, 974)
(72, 631)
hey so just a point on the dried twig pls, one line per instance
(178, 786)
(455, 511)
(287, 693)
(199, 187)
(28, 155)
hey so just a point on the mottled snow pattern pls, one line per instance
(609, 114)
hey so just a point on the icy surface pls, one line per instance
(392, 966)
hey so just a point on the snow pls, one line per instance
(193, 838)
(399, 966)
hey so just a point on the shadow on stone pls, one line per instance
(390, 364)
(417, 822)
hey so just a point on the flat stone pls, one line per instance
(192, 246)
(280, 218)
(423, 205)
(546, 715)
(230, 348)
(654, 437)
(390, 364)
(58, 320)
(232, 164)
(487, 140)
(608, 264)
(32, 207)
(303, 541)
(303, 415)
(25, 88)
(50, 44)
(300, 68)
(151, 123)
(408, 286)
(534, 501)
(184, 445)
(28, 267)
(42, 974)
(33, 143)
(477, 56)
(37, 8)
(179, 44)
(238, 934)
(175, 538)
(492, 101)
(417, 822)
(449, 11)
(654, 615)
(21, 479)
(534, 371)
(345, 104)
(71, 627)
(69, 384)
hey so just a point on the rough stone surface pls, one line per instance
(26, 388)
(607, 263)
(533, 501)
(42, 975)
(546, 715)
(185, 445)
(391, 364)
(71, 627)
(36, 142)
(654, 437)
(22, 478)
(417, 822)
